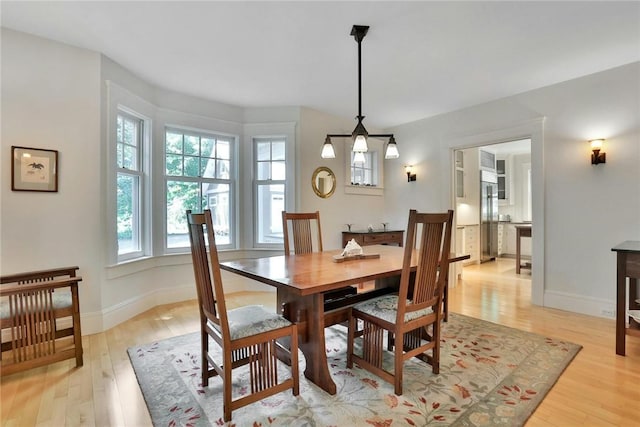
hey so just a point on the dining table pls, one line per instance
(315, 291)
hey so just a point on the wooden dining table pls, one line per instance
(316, 292)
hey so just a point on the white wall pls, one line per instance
(51, 100)
(587, 209)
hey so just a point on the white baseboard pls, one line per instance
(580, 304)
(96, 322)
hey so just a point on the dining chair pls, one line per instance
(406, 316)
(244, 336)
(302, 235)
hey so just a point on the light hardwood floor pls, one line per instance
(597, 389)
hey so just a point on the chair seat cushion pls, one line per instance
(61, 299)
(253, 320)
(386, 308)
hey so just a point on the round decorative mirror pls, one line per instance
(323, 182)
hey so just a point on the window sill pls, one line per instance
(364, 190)
(184, 258)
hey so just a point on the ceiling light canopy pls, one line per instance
(360, 134)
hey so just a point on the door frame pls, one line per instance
(534, 130)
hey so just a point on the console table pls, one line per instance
(628, 266)
(364, 238)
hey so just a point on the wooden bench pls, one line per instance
(34, 308)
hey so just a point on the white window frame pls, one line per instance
(253, 131)
(137, 173)
(231, 181)
(121, 101)
(257, 183)
(376, 148)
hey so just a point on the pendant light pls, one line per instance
(360, 134)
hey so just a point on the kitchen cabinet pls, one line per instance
(501, 227)
(468, 236)
(487, 160)
(460, 187)
(502, 179)
(467, 175)
(460, 183)
(505, 180)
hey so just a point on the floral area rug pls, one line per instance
(490, 375)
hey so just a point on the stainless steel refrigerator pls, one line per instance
(488, 216)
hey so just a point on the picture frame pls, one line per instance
(34, 169)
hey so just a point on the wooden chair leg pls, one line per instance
(350, 337)
(294, 361)
(204, 343)
(226, 393)
(398, 365)
(75, 318)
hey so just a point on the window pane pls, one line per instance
(357, 176)
(208, 168)
(270, 204)
(119, 155)
(368, 179)
(174, 165)
(192, 166)
(223, 169)
(277, 150)
(264, 169)
(207, 147)
(130, 161)
(174, 143)
(128, 214)
(217, 198)
(191, 145)
(223, 150)
(278, 171)
(263, 151)
(130, 132)
(120, 129)
(364, 173)
(180, 197)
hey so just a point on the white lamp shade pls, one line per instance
(392, 151)
(327, 151)
(358, 157)
(596, 144)
(360, 144)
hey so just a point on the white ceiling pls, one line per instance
(419, 59)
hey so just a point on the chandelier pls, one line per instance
(360, 134)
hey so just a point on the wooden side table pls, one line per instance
(628, 267)
(364, 238)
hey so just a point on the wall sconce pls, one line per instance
(410, 175)
(597, 156)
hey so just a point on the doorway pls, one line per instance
(494, 186)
